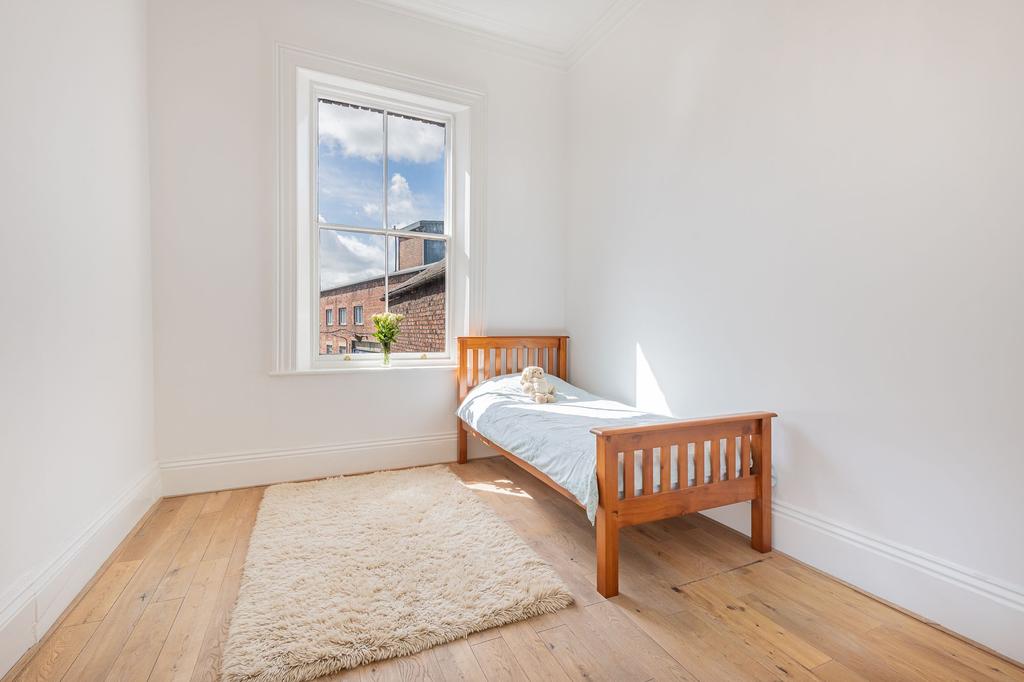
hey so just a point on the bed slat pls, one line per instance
(716, 459)
(682, 476)
(698, 467)
(474, 377)
(665, 455)
(730, 458)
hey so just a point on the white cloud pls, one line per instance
(371, 209)
(357, 132)
(414, 141)
(401, 202)
(344, 196)
(348, 257)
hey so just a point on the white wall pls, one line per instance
(76, 389)
(213, 183)
(816, 208)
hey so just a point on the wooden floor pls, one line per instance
(696, 603)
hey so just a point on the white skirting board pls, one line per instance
(30, 607)
(242, 469)
(979, 607)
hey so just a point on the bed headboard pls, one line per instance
(483, 357)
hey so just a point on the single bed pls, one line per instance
(622, 465)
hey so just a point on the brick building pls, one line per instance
(417, 289)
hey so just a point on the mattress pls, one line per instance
(555, 437)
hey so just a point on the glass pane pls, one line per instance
(352, 286)
(416, 171)
(350, 166)
(414, 252)
(417, 290)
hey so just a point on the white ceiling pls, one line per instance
(561, 30)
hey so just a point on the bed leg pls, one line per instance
(463, 443)
(761, 524)
(607, 553)
(761, 506)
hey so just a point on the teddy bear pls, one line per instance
(536, 386)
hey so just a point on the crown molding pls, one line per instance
(614, 16)
(530, 48)
(485, 39)
(479, 22)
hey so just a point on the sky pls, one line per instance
(351, 185)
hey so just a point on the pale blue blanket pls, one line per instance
(553, 437)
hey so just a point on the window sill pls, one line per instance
(446, 365)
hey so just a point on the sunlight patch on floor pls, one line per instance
(502, 487)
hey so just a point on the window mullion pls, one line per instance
(384, 216)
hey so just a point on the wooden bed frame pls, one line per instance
(750, 435)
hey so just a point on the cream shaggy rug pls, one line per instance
(345, 571)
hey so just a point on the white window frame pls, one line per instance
(329, 314)
(302, 78)
(357, 315)
(342, 316)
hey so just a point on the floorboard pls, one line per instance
(696, 603)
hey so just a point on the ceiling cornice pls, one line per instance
(455, 19)
(615, 15)
(478, 22)
(502, 44)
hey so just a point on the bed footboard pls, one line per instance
(644, 474)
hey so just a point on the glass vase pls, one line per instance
(387, 356)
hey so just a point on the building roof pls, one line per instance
(424, 276)
(362, 283)
(427, 273)
(431, 226)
